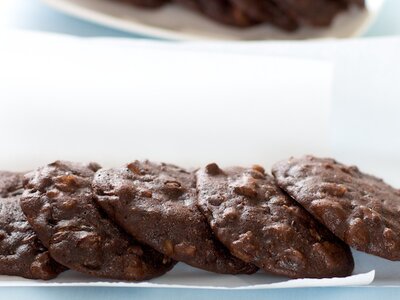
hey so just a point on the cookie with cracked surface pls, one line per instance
(260, 224)
(360, 209)
(59, 204)
(21, 252)
(156, 203)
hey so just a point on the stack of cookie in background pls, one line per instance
(135, 222)
(285, 14)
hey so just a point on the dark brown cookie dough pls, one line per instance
(156, 203)
(21, 252)
(260, 224)
(360, 209)
(222, 11)
(267, 11)
(59, 204)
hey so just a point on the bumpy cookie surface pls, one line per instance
(59, 204)
(21, 252)
(260, 224)
(10, 183)
(360, 209)
(156, 203)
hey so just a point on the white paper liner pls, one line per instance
(187, 277)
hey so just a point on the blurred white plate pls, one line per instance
(174, 22)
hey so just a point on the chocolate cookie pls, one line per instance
(10, 183)
(260, 224)
(267, 11)
(360, 209)
(156, 203)
(222, 11)
(312, 12)
(21, 252)
(59, 204)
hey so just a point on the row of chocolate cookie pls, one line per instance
(227, 221)
(56, 223)
(157, 205)
(164, 207)
(285, 14)
(68, 231)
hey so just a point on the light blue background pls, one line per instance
(31, 14)
(175, 294)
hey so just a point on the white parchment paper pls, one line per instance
(183, 276)
(80, 100)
